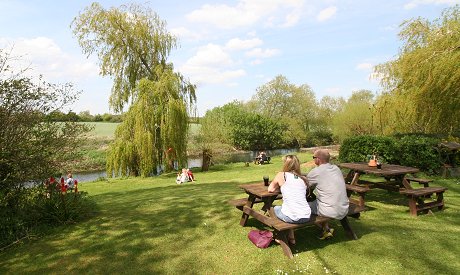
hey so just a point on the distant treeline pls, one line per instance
(86, 116)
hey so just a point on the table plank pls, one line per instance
(388, 170)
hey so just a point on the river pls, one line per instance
(246, 156)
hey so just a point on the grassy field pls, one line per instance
(103, 129)
(107, 129)
(91, 155)
(152, 225)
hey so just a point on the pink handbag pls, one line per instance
(261, 238)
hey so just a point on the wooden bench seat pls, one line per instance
(239, 203)
(417, 198)
(358, 189)
(425, 182)
(281, 228)
(354, 209)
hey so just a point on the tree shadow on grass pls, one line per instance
(158, 221)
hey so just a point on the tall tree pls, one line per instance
(133, 45)
(421, 86)
(214, 135)
(294, 106)
(32, 146)
(355, 116)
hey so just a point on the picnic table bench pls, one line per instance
(258, 193)
(358, 189)
(425, 182)
(417, 198)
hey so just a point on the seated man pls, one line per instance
(331, 199)
(263, 158)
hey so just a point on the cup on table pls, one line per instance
(266, 180)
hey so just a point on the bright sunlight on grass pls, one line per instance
(153, 225)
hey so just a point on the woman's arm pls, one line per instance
(276, 183)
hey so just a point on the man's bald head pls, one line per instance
(323, 155)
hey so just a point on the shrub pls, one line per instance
(409, 150)
(356, 149)
(418, 151)
(44, 204)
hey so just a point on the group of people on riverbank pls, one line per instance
(329, 184)
(184, 175)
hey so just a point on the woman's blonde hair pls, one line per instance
(291, 164)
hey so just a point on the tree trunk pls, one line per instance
(206, 160)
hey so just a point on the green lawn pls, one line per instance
(103, 129)
(153, 225)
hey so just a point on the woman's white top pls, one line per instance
(294, 191)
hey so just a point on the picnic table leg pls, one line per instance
(349, 177)
(268, 203)
(405, 183)
(412, 206)
(355, 178)
(249, 203)
(282, 238)
(346, 226)
(440, 198)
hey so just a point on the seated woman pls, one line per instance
(182, 176)
(293, 186)
(190, 175)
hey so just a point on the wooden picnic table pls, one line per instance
(394, 175)
(258, 193)
(396, 180)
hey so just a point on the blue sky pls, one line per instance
(227, 48)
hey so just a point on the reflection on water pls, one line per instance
(247, 156)
(89, 176)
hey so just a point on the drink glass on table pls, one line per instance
(266, 180)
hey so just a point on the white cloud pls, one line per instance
(261, 53)
(247, 12)
(45, 57)
(292, 18)
(239, 44)
(390, 28)
(364, 66)
(211, 64)
(183, 32)
(414, 3)
(211, 55)
(201, 75)
(326, 14)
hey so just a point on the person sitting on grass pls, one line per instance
(190, 175)
(331, 194)
(293, 186)
(70, 182)
(182, 176)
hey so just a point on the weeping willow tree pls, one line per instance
(133, 46)
(421, 87)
